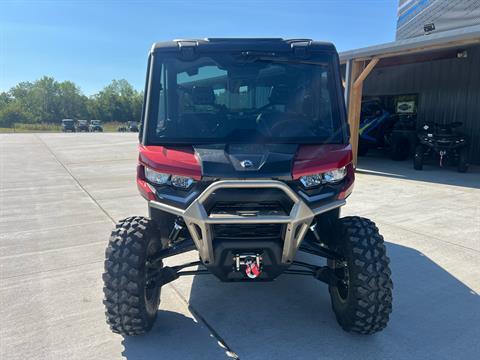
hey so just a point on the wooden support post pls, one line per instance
(359, 74)
(366, 72)
(354, 108)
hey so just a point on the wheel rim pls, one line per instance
(151, 288)
(341, 271)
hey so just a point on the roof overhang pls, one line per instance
(438, 41)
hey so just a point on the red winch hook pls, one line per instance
(252, 270)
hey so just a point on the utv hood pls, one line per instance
(245, 161)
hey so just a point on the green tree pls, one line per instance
(4, 99)
(13, 112)
(47, 100)
(71, 102)
(118, 101)
(27, 98)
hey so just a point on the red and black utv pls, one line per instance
(244, 156)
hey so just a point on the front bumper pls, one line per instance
(199, 222)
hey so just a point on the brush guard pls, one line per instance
(199, 222)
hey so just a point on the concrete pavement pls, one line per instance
(59, 196)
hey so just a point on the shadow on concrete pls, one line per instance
(434, 316)
(375, 163)
(174, 336)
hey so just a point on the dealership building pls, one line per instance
(434, 64)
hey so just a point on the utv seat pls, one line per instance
(271, 117)
(206, 115)
(279, 95)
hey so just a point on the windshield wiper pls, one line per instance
(272, 57)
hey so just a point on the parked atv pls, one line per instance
(245, 157)
(441, 141)
(122, 128)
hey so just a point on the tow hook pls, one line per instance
(251, 264)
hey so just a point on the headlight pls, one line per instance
(181, 182)
(336, 175)
(311, 180)
(329, 177)
(156, 177)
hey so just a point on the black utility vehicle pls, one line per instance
(132, 126)
(443, 142)
(68, 125)
(95, 125)
(82, 125)
(244, 156)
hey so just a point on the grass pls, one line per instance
(112, 126)
(24, 128)
(47, 127)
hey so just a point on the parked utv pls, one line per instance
(95, 125)
(244, 156)
(375, 125)
(68, 125)
(443, 142)
(82, 125)
(132, 126)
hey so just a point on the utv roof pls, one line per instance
(253, 44)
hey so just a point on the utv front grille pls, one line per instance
(248, 202)
(249, 208)
(248, 231)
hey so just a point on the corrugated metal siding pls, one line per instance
(449, 90)
(413, 15)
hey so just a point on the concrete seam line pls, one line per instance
(8, 234)
(41, 252)
(427, 235)
(194, 312)
(69, 267)
(74, 178)
(230, 353)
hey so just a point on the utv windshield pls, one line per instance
(225, 98)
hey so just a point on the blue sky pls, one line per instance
(92, 42)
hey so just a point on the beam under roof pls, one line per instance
(442, 40)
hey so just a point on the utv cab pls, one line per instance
(244, 157)
(68, 125)
(82, 125)
(95, 125)
(132, 126)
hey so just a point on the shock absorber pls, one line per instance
(178, 226)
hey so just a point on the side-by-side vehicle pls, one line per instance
(244, 156)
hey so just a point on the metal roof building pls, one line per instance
(442, 68)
